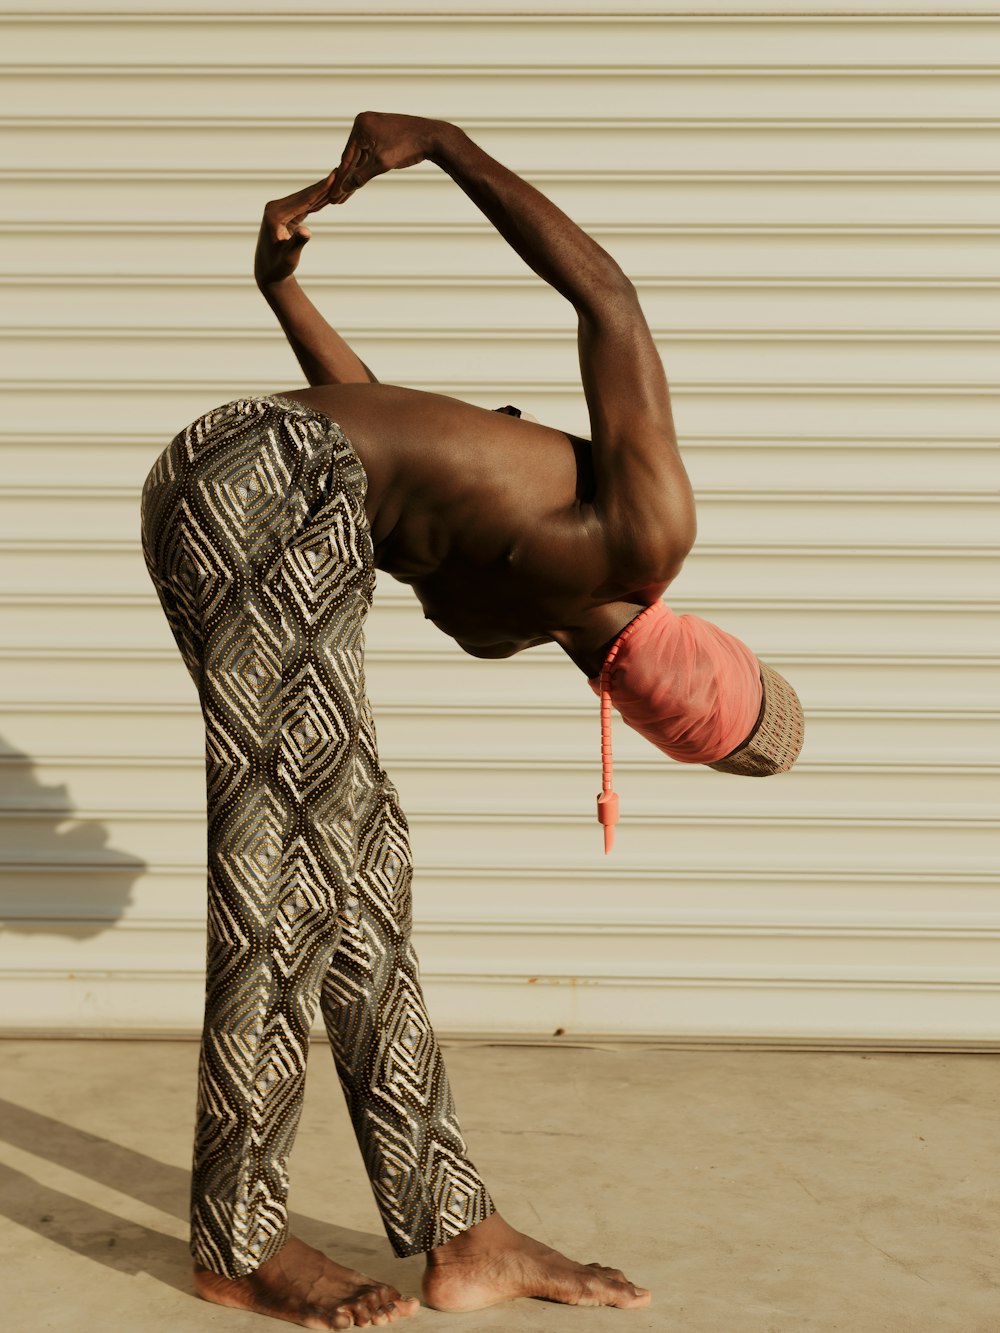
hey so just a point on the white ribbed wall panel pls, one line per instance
(808, 199)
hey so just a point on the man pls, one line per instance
(262, 523)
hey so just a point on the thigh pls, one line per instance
(256, 538)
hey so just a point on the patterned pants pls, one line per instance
(255, 536)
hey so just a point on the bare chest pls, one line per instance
(493, 584)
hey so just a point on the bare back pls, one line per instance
(485, 515)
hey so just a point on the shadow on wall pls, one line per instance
(58, 875)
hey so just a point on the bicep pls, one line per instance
(642, 495)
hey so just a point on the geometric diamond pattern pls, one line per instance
(256, 539)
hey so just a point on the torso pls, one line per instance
(486, 516)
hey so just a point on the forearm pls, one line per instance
(547, 240)
(322, 353)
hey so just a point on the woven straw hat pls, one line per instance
(775, 742)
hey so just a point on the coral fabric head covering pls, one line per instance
(699, 695)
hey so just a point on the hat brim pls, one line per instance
(776, 739)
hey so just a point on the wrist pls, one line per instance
(445, 142)
(276, 287)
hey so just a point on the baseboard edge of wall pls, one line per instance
(596, 1040)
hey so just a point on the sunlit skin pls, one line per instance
(511, 533)
(489, 518)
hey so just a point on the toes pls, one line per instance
(322, 1317)
(623, 1292)
(376, 1308)
(385, 1302)
(612, 1272)
(376, 1303)
(634, 1295)
(607, 1290)
(373, 1307)
(620, 1278)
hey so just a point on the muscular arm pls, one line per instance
(557, 249)
(322, 353)
(643, 498)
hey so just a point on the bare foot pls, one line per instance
(301, 1285)
(492, 1262)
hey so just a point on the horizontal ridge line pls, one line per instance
(463, 69)
(895, 660)
(775, 549)
(539, 764)
(443, 227)
(492, 816)
(756, 387)
(389, 598)
(434, 15)
(424, 178)
(720, 494)
(515, 123)
(622, 925)
(692, 439)
(193, 977)
(667, 282)
(479, 870)
(584, 706)
(478, 334)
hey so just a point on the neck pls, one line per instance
(587, 641)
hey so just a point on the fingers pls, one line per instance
(347, 162)
(320, 193)
(288, 213)
(354, 170)
(322, 189)
(291, 230)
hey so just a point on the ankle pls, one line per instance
(491, 1234)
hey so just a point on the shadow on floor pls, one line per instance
(92, 1232)
(117, 1242)
(58, 875)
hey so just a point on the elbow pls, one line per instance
(667, 556)
(610, 298)
(685, 532)
(650, 570)
(675, 563)
(621, 301)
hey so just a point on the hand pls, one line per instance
(381, 141)
(282, 235)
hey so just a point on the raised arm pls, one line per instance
(643, 498)
(322, 353)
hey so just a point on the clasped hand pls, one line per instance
(379, 142)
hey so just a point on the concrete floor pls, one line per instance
(753, 1192)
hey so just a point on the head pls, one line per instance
(699, 695)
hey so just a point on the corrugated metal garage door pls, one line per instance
(808, 204)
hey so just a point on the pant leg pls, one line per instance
(255, 535)
(387, 1056)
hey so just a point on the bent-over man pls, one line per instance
(263, 523)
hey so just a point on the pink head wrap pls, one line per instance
(690, 688)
